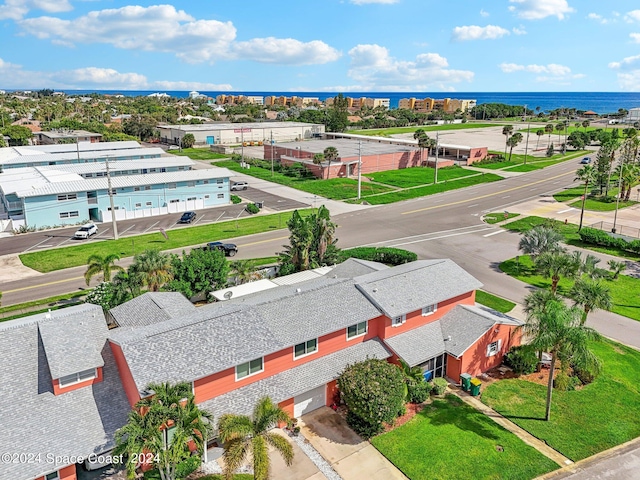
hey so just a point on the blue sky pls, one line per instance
(329, 45)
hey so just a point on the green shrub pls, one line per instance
(598, 237)
(585, 376)
(439, 386)
(522, 359)
(363, 428)
(252, 208)
(386, 255)
(418, 391)
(564, 382)
(235, 199)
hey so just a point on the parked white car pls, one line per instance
(85, 231)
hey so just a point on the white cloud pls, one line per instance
(365, 2)
(539, 9)
(162, 28)
(597, 18)
(483, 13)
(101, 78)
(183, 85)
(373, 68)
(519, 30)
(632, 16)
(286, 51)
(635, 37)
(627, 63)
(629, 74)
(16, 9)
(550, 73)
(474, 32)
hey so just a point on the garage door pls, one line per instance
(309, 401)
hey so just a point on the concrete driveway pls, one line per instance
(350, 456)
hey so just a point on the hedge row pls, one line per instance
(599, 237)
(386, 255)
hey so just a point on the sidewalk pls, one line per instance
(525, 436)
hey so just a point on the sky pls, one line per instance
(328, 45)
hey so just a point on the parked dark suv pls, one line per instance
(229, 249)
(187, 217)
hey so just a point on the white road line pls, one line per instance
(494, 233)
(474, 205)
(437, 238)
(567, 210)
(39, 244)
(422, 235)
(218, 219)
(506, 196)
(151, 226)
(127, 229)
(44, 246)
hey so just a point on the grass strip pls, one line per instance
(416, 176)
(67, 257)
(384, 132)
(496, 217)
(492, 301)
(199, 154)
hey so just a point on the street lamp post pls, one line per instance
(113, 210)
(526, 148)
(435, 176)
(359, 169)
(615, 215)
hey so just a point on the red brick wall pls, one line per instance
(125, 375)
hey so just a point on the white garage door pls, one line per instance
(309, 401)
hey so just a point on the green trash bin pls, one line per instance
(465, 380)
(475, 387)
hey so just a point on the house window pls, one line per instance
(75, 213)
(429, 309)
(77, 377)
(249, 368)
(305, 348)
(205, 182)
(219, 180)
(175, 200)
(115, 208)
(171, 186)
(52, 476)
(136, 189)
(68, 196)
(206, 196)
(138, 205)
(493, 348)
(191, 199)
(148, 204)
(147, 187)
(113, 192)
(357, 330)
(397, 321)
(221, 195)
(191, 184)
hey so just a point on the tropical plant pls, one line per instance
(522, 359)
(126, 285)
(539, 133)
(507, 130)
(548, 128)
(557, 264)
(188, 140)
(585, 124)
(550, 150)
(330, 155)
(513, 141)
(198, 272)
(558, 329)
(414, 373)
(105, 265)
(243, 270)
(246, 437)
(590, 295)
(161, 429)
(153, 268)
(586, 174)
(617, 268)
(540, 239)
(536, 302)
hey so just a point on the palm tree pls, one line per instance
(507, 130)
(548, 128)
(423, 142)
(105, 265)
(513, 141)
(586, 174)
(555, 265)
(323, 234)
(538, 240)
(590, 295)
(153, 267)
(243, 270)
(245, 437)
(539, 133)
(330, 155)
(617, 268)
(558, 329)
(536, 302)
(162, 427)
(414, 373)
(585, 124)
(127, 284)
(559, 128)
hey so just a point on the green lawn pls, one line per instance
(593, 203)
(383, 132)
(529, 167)
(625, 290)
(583, 422)
(516, 164)
(450, 439)
(489, 300)
(400, 195)
(568, 194)
(335, 188)
(199, 154)
(415, 176)
(496, 217)
(67, 257)
(496, 165)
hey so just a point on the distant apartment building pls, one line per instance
(293, 101)
(239, 99)
(66, 136)
(358, 103)
(428, 105)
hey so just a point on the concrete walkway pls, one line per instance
(522, 434)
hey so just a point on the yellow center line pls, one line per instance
(40, 285)
(487, 195)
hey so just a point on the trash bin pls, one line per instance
(465, 380)
(475, 387)
(259, 205)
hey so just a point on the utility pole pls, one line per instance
(435, 178)
(272, 155)
(359, 168)
(242, 145)
(113, 210)
(526, 147)
(615, 215)
(78, 147)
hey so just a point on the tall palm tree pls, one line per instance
(558, 329)
(513, 141)
(588, 175)
(555, 265)
(153, 267)
(559, 128)
(323, 234)
(507, 130)
(127, 284)
(539, 133)
(590, 295)
(162, 428)
(536, 302)
(548, 128)
(245, 437)
(585, 124)
(330, 155)
(538, 240)
(105, 265)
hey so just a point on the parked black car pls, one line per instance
(230, 249)
(187, 217)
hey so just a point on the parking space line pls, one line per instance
(127, 229)
(218, 219)
(151, 226)
(38, 245)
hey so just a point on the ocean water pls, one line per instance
(599, 102)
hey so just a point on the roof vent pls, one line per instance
(48, 315)
(298, 290)
(375, 290)
(448, 339)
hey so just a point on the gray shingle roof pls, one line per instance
(72, 341)
(34, 420)
(354, 267)
(151, 307)
(464, 324)
(295, 381)
(412, 286)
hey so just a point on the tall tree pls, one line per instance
(162, 427)
(588, 175)
(330, 154)
(540, 239)
(555, 265)
(507, 130)
(539, 133)
(585, 124)
(590, 295)
(244, 271)
(338, 115)
(249, 437)
(153, 268)
(558, 329)
(98, 264)
(513, 141)
(548, 128)
(199, 272)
